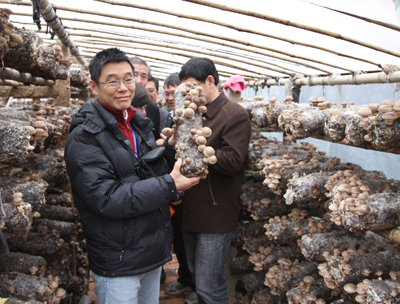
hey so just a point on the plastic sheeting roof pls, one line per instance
(167, 33)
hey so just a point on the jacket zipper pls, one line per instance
(121, 256)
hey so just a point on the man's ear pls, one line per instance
(93, 87)
(211, 81)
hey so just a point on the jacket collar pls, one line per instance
(119, 115)
(213, 107)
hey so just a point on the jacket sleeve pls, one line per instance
(235, 139)
(94, 182)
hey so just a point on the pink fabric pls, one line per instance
(236, 83)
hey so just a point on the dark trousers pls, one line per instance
(185, 277)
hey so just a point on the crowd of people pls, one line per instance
(133, 214)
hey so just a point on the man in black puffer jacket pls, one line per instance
(125, 219)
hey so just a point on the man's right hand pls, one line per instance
(182, 183)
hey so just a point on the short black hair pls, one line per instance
(141, 98)
(104, 57)
(200, 69)
(140, 61)
(155, 80)
(172, 80)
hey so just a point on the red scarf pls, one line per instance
(123, 125)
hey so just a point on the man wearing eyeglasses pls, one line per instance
(125, 218)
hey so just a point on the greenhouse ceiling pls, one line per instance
(258, 39)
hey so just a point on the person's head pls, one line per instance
(152, 88)
(201, 71)
(142, 70)
(112, 78)
(170, 84)
(141, 99)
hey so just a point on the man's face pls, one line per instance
(117, 98)
(152, 90)
(141, 74)
(169, 94)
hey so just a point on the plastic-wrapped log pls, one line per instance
(241, 264)
(335, 124)
(189, 131)
(379, 212)
(58, 213)
(306, 169)
(382, 291)
(23, 263)
(253, 281)
(307, 188)
(16, 114)
(302, 123)
(249, 230)
(310, 292)
(265, 297)
(62, 271)
(265, 115)
(249, 106)
(284, 231)
(264, 204)
(288, 274)
(271, 149)
(253, 244)
(313, 246)
(312, 186)
(25, 287)
(32, 193)
(17, 220)
(355, 133)
(78, 78)
(14, 143)
(381, 135)
(57, 228)
(41, 244)
(63, 199)
(351, 266)
(32, 57)
(266, 257)
(51, 170)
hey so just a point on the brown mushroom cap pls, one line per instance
(208, 151)
(388, 102)
(189, 112)
(364, 111)
(350, 288)
(308, 279)
(385, 108)
(212, 159)
(201, 140)
(206, 131)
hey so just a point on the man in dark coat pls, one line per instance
(210, 210)
(125, 219)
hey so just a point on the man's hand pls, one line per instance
(171, 140)
(182, 183)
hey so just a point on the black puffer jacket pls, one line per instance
(125, 220)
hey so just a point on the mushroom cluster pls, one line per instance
(191, 135)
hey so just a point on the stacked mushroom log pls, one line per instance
(311, 227)
(374, 126)
(264, 115)
(191, 136)
(23, 50)
(47, 262)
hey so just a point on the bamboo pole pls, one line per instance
(213, 54)
(49, 15)
(145, 57)
(293, 24)
(391, 234)
(381, 77)
(195, 32)
(198, 51)
(380, 23)
(8, 73)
